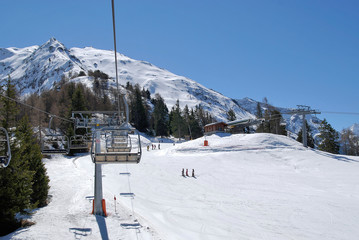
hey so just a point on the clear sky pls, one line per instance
(294, 52)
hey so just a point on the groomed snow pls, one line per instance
(257, 186)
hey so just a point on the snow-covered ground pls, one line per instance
(257, 186)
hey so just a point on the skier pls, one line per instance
(187, 172)
(182, 172)
(148, 147)
(159, 146)
(192, 172)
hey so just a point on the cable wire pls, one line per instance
(38, 109)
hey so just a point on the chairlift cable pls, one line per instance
(114, 42)
(38, 109)
(343, 113)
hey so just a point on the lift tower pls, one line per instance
(303, 110)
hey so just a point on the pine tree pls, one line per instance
(231, 115)
(15, 190)
(177, 123)
(138, 114)
(78, 102)
(259, 113)
(16, 179)
(30, 152)
(328, 138)
(196, 130)
(202, 116)
(160, 116)
(273, 119)
(9, 108)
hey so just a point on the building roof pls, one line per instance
(215, 123)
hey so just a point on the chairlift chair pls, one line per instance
(5, 151)
(119, 141)
(53, 143)
(78, 143)
(117, 147)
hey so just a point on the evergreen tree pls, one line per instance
(16, 179)
(30, 152)
(78, 102)
(272, 122)
(160, 116)
(186, 118)
(9, 109)
(231, 116)
(177, 124)
(310, 140)
(328, 138)
(15, 190)
(259, 113)
(196, 130)
(138, 114)
(202, 116)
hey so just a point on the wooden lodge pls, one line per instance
(214, 127)
(237, 126)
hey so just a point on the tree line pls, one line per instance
(147, 113)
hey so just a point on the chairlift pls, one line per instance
(5, 151)
(121, 145)
(80, 121)
(78, 143)
(119, 141)
(54, 143)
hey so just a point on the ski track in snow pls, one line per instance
(257, 186)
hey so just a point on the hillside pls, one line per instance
(39, 68)
(256, 186)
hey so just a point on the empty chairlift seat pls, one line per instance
(117, 146)
(55, 144)
(78, 143)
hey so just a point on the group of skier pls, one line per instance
(153, 147)
(183, 173)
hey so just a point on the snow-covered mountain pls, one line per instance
(39, 68)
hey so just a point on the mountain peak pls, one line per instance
(53, 44)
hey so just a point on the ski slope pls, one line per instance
(256, 186)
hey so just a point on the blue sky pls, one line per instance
(303, 52)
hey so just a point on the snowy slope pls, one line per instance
(158, 80)
(257, 186)
(39, 68)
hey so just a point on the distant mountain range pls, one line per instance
(39, 68)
